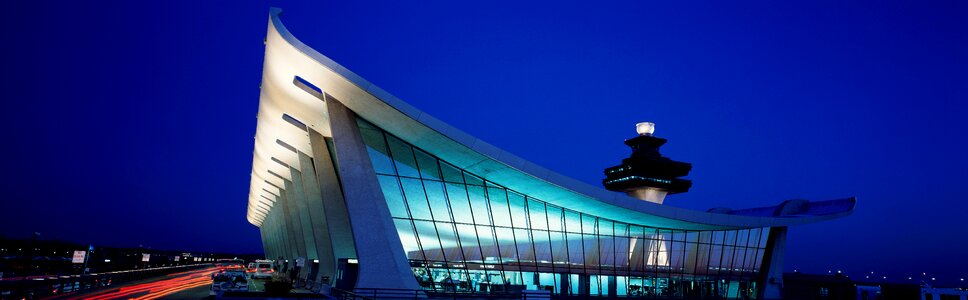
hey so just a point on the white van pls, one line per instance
(263, 269)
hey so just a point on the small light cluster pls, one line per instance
(627, 178)
(620, 169)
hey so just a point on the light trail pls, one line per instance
(168, 285)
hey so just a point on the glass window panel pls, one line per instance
(458, 203)
(468, 240)
(759, 259)
(731, 238)
(728, 256)
(715, 257)
(536, 211)
(473, 180)
(588, 224)
(428, 240)
(605, 227)
(505, 239)
(391, 192)
(692, 237)
(572, 221)
(416, 200)
(451, 173)
(575, 250)
(427, 165)
(518, 214)
(591, 250)
(479, 205)
(403, 157)
(742, 238)
(764, 236)
(621, 229)
(408, 239)
(542, 246)
(718, 237)
(607, 249)
(622, 247)
(449, 242)
(555, 218)
(499, 207)
(377, 150)
(437, 199)
(679, 235)
(488, 245)
(525, 248)
(559, 248)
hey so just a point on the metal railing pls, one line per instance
(377, 293)
(50, 286)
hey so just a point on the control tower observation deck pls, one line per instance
(646, 174)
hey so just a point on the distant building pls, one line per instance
(374, 194)
(930, 293)
(816, 286)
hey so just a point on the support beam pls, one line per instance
(318, 214)
(334, 205)
(304, 218)
(295, 224)
(382, 262)
(771, 271)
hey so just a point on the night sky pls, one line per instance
(129, 123)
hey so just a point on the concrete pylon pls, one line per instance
(318, 214)
(295, 224)
(771, 270)
(303, 212)
(334, 205)
(382, 261)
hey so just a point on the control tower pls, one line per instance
(646, 174)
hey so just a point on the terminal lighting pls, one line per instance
(645, 128)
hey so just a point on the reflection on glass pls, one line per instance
(464, 234)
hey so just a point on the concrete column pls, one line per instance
(334, 205)
(382, 261)
(269, 229)
(612, 286)
(318, 217)
(295, 224)
(282, 242)
(304, 219)
(564, 287)
(264, 237)
(285, 226)
(584, 284)
(771, 269)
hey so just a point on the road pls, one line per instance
(193, 284)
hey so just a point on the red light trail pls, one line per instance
(172, 283)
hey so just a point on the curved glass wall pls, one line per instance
(465, 234)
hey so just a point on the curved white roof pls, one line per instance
(286, 57)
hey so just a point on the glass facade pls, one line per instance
(465, 234)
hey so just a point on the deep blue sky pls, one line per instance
(131, 123)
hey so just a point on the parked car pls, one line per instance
(263, 269)
(228, 281)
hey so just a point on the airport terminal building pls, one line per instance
(366, 193)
